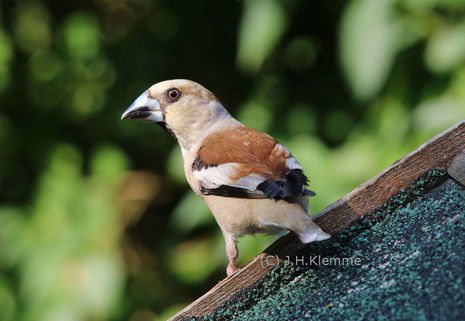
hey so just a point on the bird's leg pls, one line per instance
(232, 253)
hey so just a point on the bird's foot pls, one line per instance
(231, 269)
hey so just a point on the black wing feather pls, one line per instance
(293, 185)
(231, 191)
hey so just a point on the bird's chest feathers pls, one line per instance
(189, 158)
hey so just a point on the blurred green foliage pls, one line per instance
(96, 219)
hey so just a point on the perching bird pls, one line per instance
(250, 182)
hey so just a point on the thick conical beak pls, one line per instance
(144, 108)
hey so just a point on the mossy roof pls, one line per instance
(412, 263)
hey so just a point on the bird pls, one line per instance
(250, 182)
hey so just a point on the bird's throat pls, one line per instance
(166, 128)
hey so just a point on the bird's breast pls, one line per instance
(189, 158)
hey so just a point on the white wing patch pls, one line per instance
(292, 163)
(215, 176)
(249, 182)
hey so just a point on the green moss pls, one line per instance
(412, 258)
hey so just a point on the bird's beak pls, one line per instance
(144, 108)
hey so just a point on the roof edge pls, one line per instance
(437, 153)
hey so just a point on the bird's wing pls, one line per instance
(245, 163)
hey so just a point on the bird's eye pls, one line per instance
(173, 94)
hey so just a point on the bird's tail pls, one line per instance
(312, 233)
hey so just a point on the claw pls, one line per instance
(231, 269)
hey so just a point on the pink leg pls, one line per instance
(232, 253)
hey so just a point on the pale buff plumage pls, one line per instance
(226, 162)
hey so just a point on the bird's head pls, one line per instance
(184, 108)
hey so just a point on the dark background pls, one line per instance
(96, 219)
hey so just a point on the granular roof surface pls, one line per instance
(410, 265)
